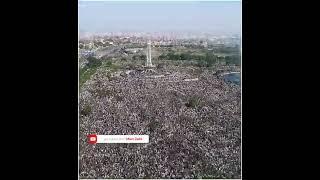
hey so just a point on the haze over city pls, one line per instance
(218, 18)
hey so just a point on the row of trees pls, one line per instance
(93, 62)
(233, 60)
(229, 50)
(207, 60)
(89, 69)
(139, 57)
(182, 56)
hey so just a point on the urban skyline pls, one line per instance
(188, 17)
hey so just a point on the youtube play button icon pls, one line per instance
(92, 138)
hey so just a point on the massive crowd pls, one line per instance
(201, 140)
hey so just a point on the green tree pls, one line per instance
(162, 57)
(143, 57)
(108, 63)
(233, 60)
(135, 57)
(171, 56)
(210, 59)
(201, 63)
(185, 56)
(93, 62)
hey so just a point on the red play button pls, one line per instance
(92, 138)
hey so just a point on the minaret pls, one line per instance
(149, 63)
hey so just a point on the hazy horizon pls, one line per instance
(209, 17)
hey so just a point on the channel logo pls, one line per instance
(112, 139)
(92, 138)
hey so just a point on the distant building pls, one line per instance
(205, 44)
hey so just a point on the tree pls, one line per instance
(171, 56)
(233, 60)
(162, 57)
(210, 59)
(143, 57)
(185, 56)
(108, 63)
(135, 57)
(202, 63)
(93, 62)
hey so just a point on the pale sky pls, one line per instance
(195, 16)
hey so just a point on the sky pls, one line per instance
(193, 16)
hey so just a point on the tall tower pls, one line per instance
(149, 63)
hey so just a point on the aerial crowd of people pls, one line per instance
(194, 127)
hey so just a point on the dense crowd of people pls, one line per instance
(193, 126)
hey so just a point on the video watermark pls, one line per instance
(111, 139)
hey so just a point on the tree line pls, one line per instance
(207, 60)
